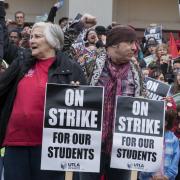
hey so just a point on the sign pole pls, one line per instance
(68, 175)
(133, 175)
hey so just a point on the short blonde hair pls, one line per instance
(162, 45)
(53, 34)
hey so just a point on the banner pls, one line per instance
(173, 50)
(138, 134)
(154, 31)
(156, 90)
(72, 128)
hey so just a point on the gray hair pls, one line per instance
(53, 34)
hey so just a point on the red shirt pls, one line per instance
(26, 120)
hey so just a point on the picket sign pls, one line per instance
(155, 31)
(72, 128)
(156, 89)
(138, 134)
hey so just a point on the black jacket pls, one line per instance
(62, 71)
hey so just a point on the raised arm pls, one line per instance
(54, 9)
(70, 35)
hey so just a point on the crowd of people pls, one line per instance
(77, 52)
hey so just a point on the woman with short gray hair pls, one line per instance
(22, 94)
(53, 34)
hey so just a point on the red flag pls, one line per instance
(173, 47)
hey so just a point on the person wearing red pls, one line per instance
(22, 94)
(22, 114)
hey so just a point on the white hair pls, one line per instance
(53, 34)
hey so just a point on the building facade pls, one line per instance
(138, 13)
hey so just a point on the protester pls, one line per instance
(157, 74)
(119, 77)
(163, 61)
(53, 10)
(15, 36)
(170, 158)
(22, 92)
(18, 23)
(20, 20)
(101, 34)
(63, 22)
(145, 72)
(88, 54)
(176, 126)
(25, 40)
(176, 66)
(23, 141)
(176, 130)
(176, 86)
(150, 46)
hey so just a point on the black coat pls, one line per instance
(62, 71)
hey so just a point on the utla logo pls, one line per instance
(139, 165)
(63, 165)
(73, 165)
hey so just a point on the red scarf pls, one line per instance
(111, 79)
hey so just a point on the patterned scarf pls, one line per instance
(111, 78)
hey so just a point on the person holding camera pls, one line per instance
(163, 61)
